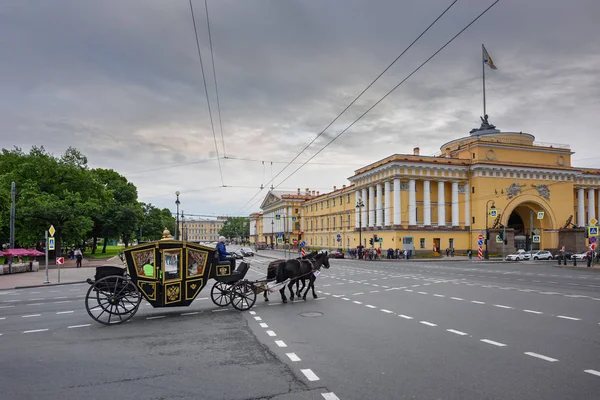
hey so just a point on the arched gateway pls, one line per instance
(526, 216)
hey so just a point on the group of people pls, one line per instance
(76, 254)
(376, 253)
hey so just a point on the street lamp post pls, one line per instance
(487, 232)
(182, 226)
(359, 206)
(177, 202)
(272, 229)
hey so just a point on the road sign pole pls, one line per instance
(46, 246)
(59, 269)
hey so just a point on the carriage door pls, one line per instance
(171, 268)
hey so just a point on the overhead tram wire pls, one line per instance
(390, 92)
(356, 98)
(215, 76)
(206, 91)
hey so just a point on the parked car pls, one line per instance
(580, 256)
(336, 254)
(542, 255)
(515, 257)
(246, 252)
(567, 254)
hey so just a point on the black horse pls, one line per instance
(299, 269)
(272, 268)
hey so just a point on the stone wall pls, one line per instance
(20, 267)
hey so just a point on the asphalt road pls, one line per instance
(380, 330)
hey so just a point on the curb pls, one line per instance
(48, 284)
(588, 269)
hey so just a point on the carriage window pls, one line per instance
(172, 265)
(144, 263)
(196, 262)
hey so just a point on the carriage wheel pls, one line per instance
(243, 296)
(112, 300)
(221, 294)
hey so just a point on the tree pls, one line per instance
(155, 221)
(236, 227)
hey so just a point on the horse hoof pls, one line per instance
(315, 296)
(284, 301)
(266, 299)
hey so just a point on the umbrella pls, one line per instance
(23, 253)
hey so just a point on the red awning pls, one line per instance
(23, 253)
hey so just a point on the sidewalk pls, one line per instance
(580, 267)
(275, 254)
(68, 274)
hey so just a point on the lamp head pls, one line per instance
(177, 193)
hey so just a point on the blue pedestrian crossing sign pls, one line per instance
(493, 213)
(277, 216)
(279, 240)
(592, 231)
(499, 239)
(293, 219)
(480, 242)
(339, 236)
(536, 239)
(50, 243)
(540, 215)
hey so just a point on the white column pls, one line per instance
(455, 204)
(388, 204)
(580, 208)
(371, 207)
(412, 202)
(441, 205)
(379, 205)
(468, 204)
(356, 209)
(426, 203)
(591, 205)
(397, 205)
(364, 209)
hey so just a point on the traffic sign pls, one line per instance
(303, 243)
(536, 238)
(493, 213)
(480, 237)
(293, 219)
(592, 239)
(593, 221)
(499, 239)
(50, 243)
(277, 216)
(540, 215)
(592, 231)
(480, 242)
(279, 240)
(536, 231)
(593, 246)
(52, 230)
(60, 260)
(339, 236)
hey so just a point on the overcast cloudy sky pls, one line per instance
(121, 81)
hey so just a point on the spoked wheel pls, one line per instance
(112, 300)
(221, 294)
(243, 296)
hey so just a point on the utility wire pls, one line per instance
(390, 92)
(354, 101)
(206, 91)
(214, 75)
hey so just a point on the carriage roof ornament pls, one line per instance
(166, 235)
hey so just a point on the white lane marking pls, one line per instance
(7, 306)
(34, 292)
(533, 312)
(345, 298)
(157, 317)
(78, 326)
(374, 291)
(408, 290)
(61, 297)
(1, 318)
(293, 357)
(74, 290)
(41, 298)
(263, 325)
(591, 371)
(457, 332)
(280, 343)
(274, 304)
(64, 312)
(571, 318)
(427, 323)
(422, 292)
(357, 302)
(258, 318)
(456, 298)
(252, 312)
(492, 342)
(330, 396)
(387, 311)
(271, 333)
(30, 315)
(477, 302)
(541, 357)
(370, 306)
(311, 376)
(501, 306)
(375, 285)
(62, 301)
(439, 295)
(356, 294)
(36, 330)
(190, 313)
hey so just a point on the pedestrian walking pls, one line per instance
(78, 257)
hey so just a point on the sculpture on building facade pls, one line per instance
(543, 191)
(513, 190)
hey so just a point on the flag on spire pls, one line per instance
(487, 59)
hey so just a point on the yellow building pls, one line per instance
(201, 230)
(282, 217)
(501, 182)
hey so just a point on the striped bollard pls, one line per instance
(480, 253)
(303, 252)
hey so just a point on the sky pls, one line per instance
(121, 81)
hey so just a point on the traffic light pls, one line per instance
(587, 233)
(371, 241)
(299, 235)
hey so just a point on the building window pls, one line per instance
(473, 220)
(348, 200)
(473, 189)
(348, 221)
(473, 155)
(451, 243)
(341, 200)
(333, 221)
(321, 205)
(341, 223)
(422, 243)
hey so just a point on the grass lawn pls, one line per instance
(111, 251)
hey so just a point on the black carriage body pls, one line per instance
(171, 273)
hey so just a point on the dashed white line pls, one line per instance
(408, 290)
(427, 323)
(190, 313)
(571, 318)
(78, 326)
(157, 317)
(439, 295)
(41, 298)
(293, 357)
(387, 311)
(456, 332)
(252, 312)
(311, 376)
(374, 291)
(271, 333)
(492, 342)
(533, 312)
(330, 396)
(263, 325)
(345, 298)
(356, 294)
(61, 297)
(258, 318)
(6, 306)
(280, 343)
(36, 330)
(357, 302)
(541, 357)
(422, 292)
(477, 302)
(501, 306)
(62, 301)
(370, 306)
(593, 372)
(456, 298)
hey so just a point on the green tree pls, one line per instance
(236, 227)
(155, 221)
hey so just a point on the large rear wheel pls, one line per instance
(243, 296)
(220, 294)
(112, 300)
